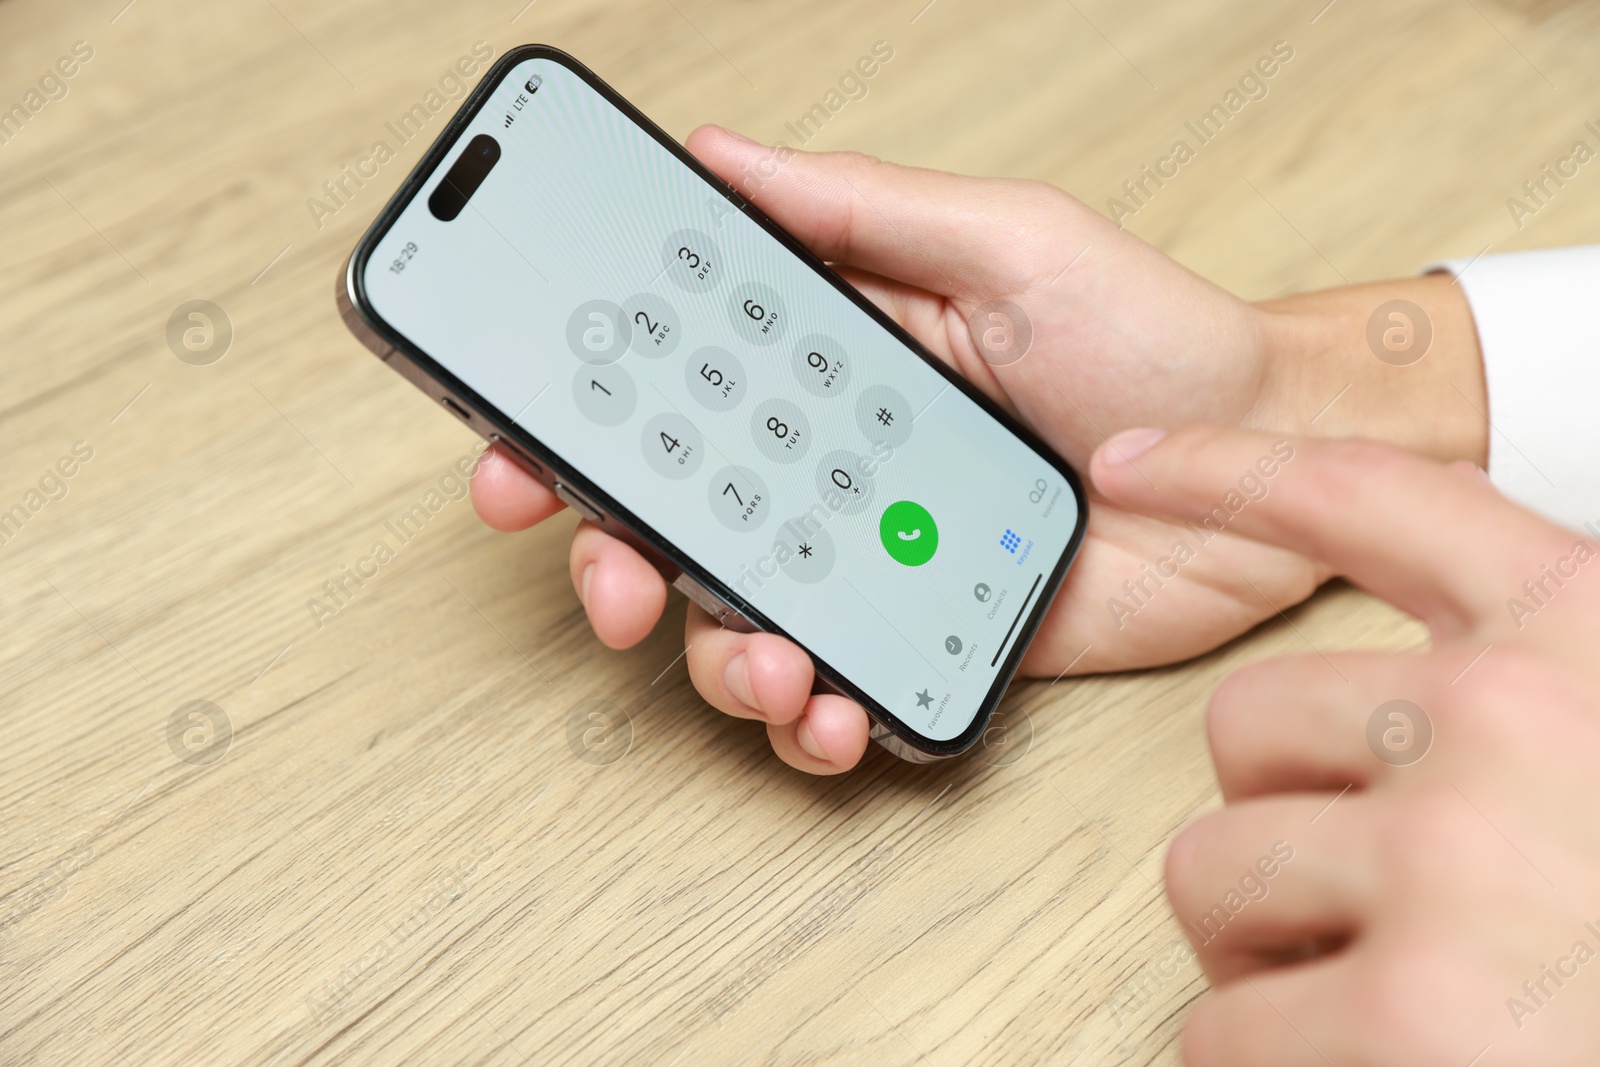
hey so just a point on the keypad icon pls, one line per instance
(1010, 541)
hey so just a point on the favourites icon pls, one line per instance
(1010, 542)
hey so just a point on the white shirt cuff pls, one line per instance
(1538, 318)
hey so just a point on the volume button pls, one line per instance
(574, 500)
(520, 454)
(713, 605)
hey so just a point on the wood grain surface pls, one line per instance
(373, 841)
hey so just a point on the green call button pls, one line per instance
(908, 532)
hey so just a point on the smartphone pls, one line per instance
(568, 281)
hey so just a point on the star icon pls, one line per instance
(924, 700)
(805, 551)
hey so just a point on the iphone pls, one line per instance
(564, 277)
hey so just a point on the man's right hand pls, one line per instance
(1439, 805)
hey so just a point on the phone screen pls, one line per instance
(624, 312)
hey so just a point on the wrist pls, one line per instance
(1352, 362)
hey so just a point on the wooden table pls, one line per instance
(372, 840)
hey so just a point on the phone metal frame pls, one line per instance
(569, 483)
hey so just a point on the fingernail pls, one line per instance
(1129, 445)
(808, 741)
(583, 584)
(736, 677)
(737, 136)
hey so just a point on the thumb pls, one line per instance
(1447, 549)
(968, 238)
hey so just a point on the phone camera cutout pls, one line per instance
(464, 177)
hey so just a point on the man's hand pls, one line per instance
(1410, 883)
(1122, 336)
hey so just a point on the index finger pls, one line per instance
(1444, 547)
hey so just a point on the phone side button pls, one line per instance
(520, 454)
(713, 605)
(577, 503)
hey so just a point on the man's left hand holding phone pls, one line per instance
(926, 248)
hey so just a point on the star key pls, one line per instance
(805, 551)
